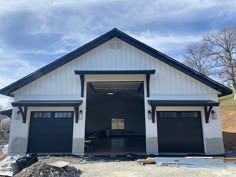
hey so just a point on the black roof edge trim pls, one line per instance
(102, 39)
(57, 63)
(46, 103)
(81, 72)
(183, 103)
(176, 64)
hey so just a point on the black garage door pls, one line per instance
(180, 131)
(51, 132)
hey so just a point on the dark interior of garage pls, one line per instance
(115, 118)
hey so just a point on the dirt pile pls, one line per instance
(42, 169)
(228, 122)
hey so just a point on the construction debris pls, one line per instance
(43, 169)
(190, 162)
(26, 161)
(13, 164)
(146, 161)
(8, 166)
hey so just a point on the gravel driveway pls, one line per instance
(100, 168)
(132, 169)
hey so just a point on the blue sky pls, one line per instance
(34, 33)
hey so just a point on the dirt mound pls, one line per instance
(42, 169)
(228, 120)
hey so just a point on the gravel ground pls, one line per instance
(132, 169)
(113, 168)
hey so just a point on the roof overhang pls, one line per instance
(24, 104)
(207, 104)
(83, 72)
(183, 103)
(47, 103)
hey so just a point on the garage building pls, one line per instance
(116, 95)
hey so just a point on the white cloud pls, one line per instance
(172, 45)
(13, 69)
(38, 5)
(5, 102)
(162, 42)
(10, 71)
(167, 25)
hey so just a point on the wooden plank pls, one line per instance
(146, 161)
(230, 159)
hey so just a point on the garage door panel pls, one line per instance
(51, 132)
(179, 131)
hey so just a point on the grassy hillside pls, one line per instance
(227, 103)
(228, 120)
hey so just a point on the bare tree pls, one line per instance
(197, 57)
(222, 50)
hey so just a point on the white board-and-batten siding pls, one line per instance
(166, 83)
(62, 84)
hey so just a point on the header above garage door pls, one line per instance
(89, 72)
(207, 104)
(79, 72)
(46, 103)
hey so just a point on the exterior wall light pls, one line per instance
(150, 114)
(213, 115)
(80, 115)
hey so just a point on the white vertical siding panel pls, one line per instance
(132, 58)
(166, 81)
(122, 58)
(193, 86)
(179, 80)
(129, 55)
(117, 58)
(186, 86)
(101, 56)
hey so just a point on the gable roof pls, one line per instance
(102, 39)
